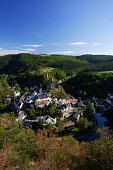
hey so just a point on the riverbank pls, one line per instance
(91, 132)
(80, 134)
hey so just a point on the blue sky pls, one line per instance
(71, 27)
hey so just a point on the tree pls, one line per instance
(51, 109)
(26, 89)
(32, 113)
(9, 128)
(83, 123)
(49, 126)
(90, 109)
(17, 88)
(60, 74)
(59, 124)
(23, 159)
(40, 124)
(59, 93)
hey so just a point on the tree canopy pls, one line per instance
(89, 109)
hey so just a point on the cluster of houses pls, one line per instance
(104, 104)
(68, 108)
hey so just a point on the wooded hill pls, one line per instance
(93, 83)
(101, 61)
(13, 64)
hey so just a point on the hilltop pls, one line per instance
(101, 61)
(13, 64)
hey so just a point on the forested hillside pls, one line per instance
(28, 149)
(4, 86)
(94, 84)
(90, 70)
(95, 59)
(104, 62)
(13, 64)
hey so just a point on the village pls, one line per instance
(39, 98)
(69, 108)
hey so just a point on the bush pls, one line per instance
(82, 123)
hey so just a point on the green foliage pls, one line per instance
(96, 59)
(26, 89)
(4, 86)
(59, 124)
(32, 113)
(9, 127)
(82, 123)
(94, 84)
(59, 93)
(29, 150)
(47, 110)
(65, 120)
(89, 110)
(23, 146)
(6, 108)
(14, 64)
(51, 109)
(60, 74)
(49, 126)
(40, 124)
(23, 159)
(17, 88)
(27, 80)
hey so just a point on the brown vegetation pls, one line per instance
(44, 150)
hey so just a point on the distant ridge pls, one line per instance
(12, 64)
(17, 63)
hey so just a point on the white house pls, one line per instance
(47, 119)
(76, 116)
(21, 116)
(108, 101)
(59, 82)
(18, 105)
(66, 110)
(61, 101)
(30, 101)
(16, 93)
(43, 100)
(40, 104)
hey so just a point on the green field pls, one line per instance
(48, 69)
(105, 72)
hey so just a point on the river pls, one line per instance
(101, 122)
